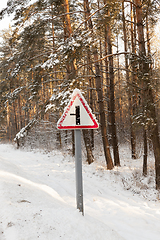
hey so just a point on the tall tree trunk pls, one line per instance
(72, 71)
(88, 146)
(91, 105)
(58, 132)
(20, 113)
(145, 153)
(8, 123)
(148, 37)
(119, 89)
(91, 80)
(67, 23)
(112, 101)
(15, 119)
(133, 136)
(100, 96)
(107, 93)
(133, 62)
(148, 93)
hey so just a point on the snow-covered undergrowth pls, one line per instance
(38, 198)
(130, 175)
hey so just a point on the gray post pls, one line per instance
(78, 170)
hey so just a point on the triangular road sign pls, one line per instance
(77, 114)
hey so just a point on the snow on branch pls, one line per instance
(24, 131)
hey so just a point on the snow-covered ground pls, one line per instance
(37, 198)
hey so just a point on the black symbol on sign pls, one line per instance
(77, 114)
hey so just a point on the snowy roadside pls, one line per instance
(38, 198)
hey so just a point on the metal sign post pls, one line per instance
(78, 161)
(78, 115)
(78, 170)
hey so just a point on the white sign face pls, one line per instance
(77, 115)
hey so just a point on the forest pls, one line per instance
(104, 48)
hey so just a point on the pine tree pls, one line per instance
(149, 110)
(100, 95)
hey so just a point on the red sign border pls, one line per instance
(94, 126)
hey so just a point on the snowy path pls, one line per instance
(38, 201)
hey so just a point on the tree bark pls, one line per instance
(91, 105)
(88, 146)
(132, 132)
(148, 93)
(107, 93)
(145, 153)
(100, 97)
(112, 101)
(91, 80)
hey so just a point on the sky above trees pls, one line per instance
(6, 21)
